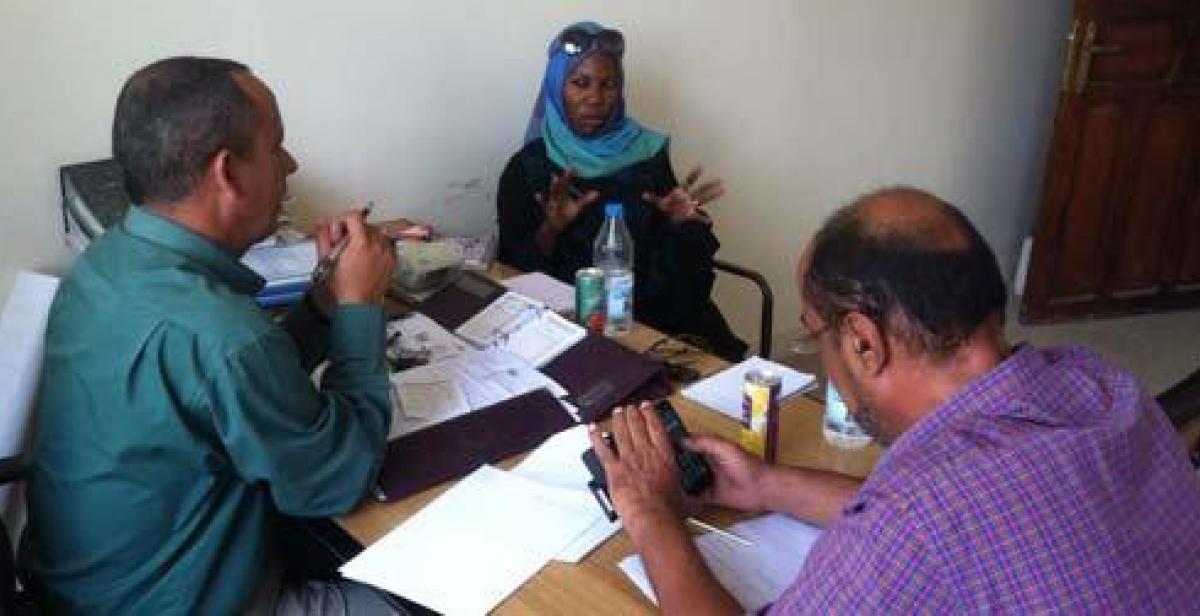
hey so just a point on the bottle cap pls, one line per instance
(613, 210)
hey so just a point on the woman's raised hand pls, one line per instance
(686, 202)
(562, 203)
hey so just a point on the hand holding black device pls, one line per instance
(694, 472)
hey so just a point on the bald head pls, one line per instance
(909, 261)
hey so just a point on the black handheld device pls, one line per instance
(694, 472)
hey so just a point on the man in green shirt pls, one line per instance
(175, 418)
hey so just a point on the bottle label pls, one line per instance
(619, 296)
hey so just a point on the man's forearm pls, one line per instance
(681, 580)
(813, 496)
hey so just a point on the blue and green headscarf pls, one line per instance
(621, 142)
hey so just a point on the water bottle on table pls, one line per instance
(612, 253)
(840, 428)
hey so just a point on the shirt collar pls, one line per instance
(145, 224)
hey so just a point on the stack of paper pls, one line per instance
(473, 546)
(755, 575)
(723, 391)
(287, 268)
(557, 463)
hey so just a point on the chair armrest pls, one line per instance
(1182, 401)
(768, 301)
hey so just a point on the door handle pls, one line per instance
(1087, 51)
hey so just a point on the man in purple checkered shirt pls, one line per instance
(1017, 480)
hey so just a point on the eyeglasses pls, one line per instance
(677, 354)
(576, 41)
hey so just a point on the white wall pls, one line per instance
(798, 104)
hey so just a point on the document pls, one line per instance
(552, 292)
(521, 326)
(473, 546)
(436, 392)
(416, 335)
(22, 328)
(755, 576)
(557, 463)
(723, 390)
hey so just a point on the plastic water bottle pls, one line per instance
(840, 428)
(613, 253)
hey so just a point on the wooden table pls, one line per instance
(596, 585)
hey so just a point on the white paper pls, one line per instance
(23, 329)
(556, 294)
(755, 576)
(723, 391)
(521, 326)
(557, 463)
(473, 546)
(431, 399)
(282, 263)
(467, 382)
(421, 335)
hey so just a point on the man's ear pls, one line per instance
(864, 344)
(221, 176)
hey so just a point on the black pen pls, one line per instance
(325, 266)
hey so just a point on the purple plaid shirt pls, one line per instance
(1053, 484)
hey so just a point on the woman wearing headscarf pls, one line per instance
(581, 151)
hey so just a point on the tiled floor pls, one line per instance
(1159, 348)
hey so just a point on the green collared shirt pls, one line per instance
(175, 418)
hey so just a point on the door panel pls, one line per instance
(1141, 228)
(1119, 230)
(1076, 276)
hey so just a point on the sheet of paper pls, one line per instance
(472, 380)
(282, 263)
(472, 547)
(543, 338)
(420, 336)
(22, 328)
(755, 576)
(435, 398)
(523, 327)
(556, 294)
(557, 463)
(723, 390)
(500, 318)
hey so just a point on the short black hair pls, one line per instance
(906, 278)
(172, 117)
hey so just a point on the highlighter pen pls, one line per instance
(326, 265)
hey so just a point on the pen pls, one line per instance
(720, 532)
(325, 266)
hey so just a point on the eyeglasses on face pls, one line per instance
(576, 41)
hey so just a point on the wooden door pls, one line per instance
(1119, 226)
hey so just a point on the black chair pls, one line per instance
(1181, 403)
(767, 312)
(13, 600)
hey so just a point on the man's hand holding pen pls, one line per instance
(360, 261)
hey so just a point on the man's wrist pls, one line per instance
(644, 523)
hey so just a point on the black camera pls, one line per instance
(694, 472)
